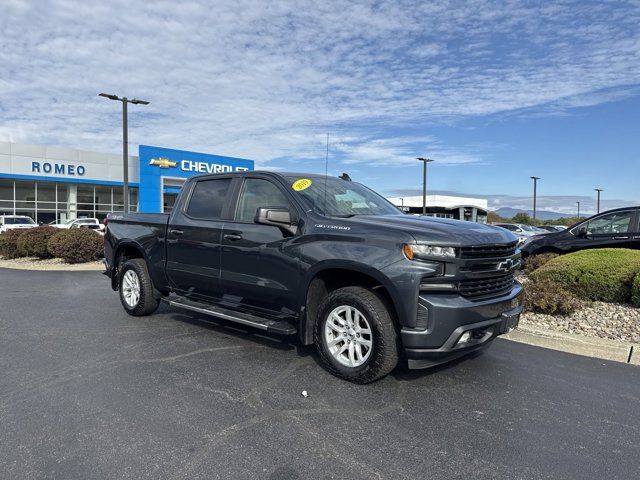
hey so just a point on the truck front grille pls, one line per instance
(486, 286)
(489, 251)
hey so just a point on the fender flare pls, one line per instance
(306, 323)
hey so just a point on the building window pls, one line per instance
(6, 196)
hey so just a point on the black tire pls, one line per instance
(385, 350)
(147, 302)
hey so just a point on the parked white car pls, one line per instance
(522, 231)
(91, 223)
(12, 222)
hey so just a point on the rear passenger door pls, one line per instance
(193, 239)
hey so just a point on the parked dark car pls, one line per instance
(326, 259)
(617, 228)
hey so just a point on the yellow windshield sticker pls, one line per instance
(301, 184)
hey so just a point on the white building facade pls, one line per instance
(445, 206)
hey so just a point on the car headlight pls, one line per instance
(428, 251)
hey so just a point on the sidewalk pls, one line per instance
(606, 349)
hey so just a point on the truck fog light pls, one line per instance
(466, 336)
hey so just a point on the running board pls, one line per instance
(281, 327)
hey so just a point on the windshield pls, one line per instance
(18, 221)
(341, 198)
(528, 228)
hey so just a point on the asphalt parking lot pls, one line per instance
(88, 392)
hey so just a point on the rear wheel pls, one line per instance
(355, 335)
(136, 289)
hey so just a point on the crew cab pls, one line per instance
(323, 258)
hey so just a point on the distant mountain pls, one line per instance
(507, 212)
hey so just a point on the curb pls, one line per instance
(606, 349)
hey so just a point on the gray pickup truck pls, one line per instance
(323, 258)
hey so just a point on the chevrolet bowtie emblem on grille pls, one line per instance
(506, 265)
(163, 162)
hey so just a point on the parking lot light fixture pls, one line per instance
(424, 182)
(125, 142)
(598, 190)
(535, 192)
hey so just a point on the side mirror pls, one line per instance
(519, 230)
(276, 217)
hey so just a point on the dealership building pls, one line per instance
(445, 206)
(57, 184)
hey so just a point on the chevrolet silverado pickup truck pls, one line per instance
(323, 258)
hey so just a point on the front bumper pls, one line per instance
(450, 316)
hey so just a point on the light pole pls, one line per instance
(125, 142)
(424, 182)
(535, 192)
(578, 210)
(598, 190)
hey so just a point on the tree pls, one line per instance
(493, 217)
(523, 218)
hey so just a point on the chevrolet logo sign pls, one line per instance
(163, 162)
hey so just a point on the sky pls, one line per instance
(494, 92)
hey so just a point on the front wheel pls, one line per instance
(355, 335)
(136, 288)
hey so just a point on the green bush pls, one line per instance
(9, 243)
(77, 245)
(602, 274)
(536, 261)
(545, 296)
(635, 291)
(33, 242)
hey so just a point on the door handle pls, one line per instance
(636, 237)
(621, 238)
(233, 236)
(176, 231)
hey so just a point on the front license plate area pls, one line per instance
(510, 320)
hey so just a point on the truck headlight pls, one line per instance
(428, 251)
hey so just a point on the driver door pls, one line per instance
(258, 271)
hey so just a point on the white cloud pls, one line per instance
(265, 80)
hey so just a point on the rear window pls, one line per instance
(208, 198)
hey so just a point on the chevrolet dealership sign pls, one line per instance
(196, 167)
(163, 166)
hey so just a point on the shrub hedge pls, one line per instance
(77, 245)
(33, 242)
(605, 274)
(635, 291)
(9, 243)
(536, 261)
(545, 296)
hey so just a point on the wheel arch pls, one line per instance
(328, 277)
(124, 252)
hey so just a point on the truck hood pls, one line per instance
(439, 231)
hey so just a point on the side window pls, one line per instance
(208, 198)
(618, 222)
(256, 193)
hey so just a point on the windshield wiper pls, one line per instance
(349, 215)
